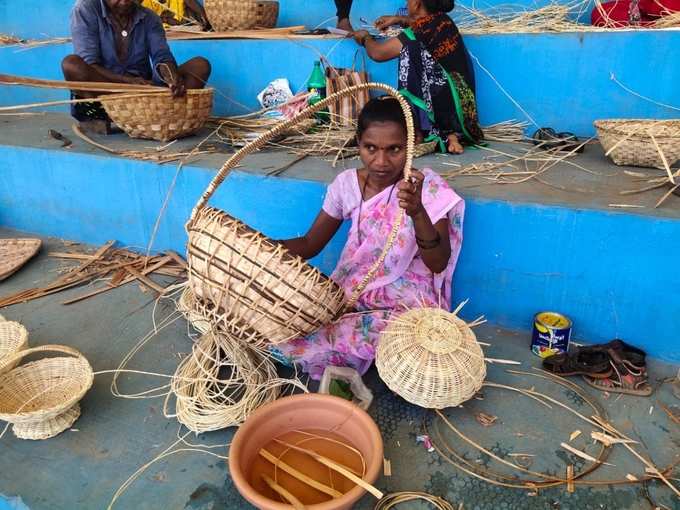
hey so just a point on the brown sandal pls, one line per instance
(594, 364)
(626, 377)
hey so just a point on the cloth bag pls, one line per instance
(345, 111)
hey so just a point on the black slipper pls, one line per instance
(592, 363)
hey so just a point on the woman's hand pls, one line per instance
(410, 194)
(385, 22)
(360, 36)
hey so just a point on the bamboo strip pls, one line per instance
(335, 467)
(287, 495)
(92, 86)
(299, 475)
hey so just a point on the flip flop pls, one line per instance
(549, 139)
(592, 363)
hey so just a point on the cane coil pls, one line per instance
(159, 116)
(227, 15)
(632, 141)
(254, 287)
(14, 253)
(40, 398)
(431, 358)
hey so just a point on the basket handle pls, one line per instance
(260, 141)
(42, 348)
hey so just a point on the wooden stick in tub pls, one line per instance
(299, 475)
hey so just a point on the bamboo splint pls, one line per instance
(119, 265)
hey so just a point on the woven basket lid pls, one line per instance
(14, 253)
(431, 358)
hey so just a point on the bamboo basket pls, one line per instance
(632, 141)
(14, 253)
(159, 116)
(41, 397)
(431, 358)
(251, 286)
(13, 338)
(227, 15)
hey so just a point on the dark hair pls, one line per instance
(437, 6)
(380, 109)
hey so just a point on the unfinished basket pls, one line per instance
(241, 14)
(14, 253)
(640, 142)
(40, 398)
(431, 358)
(188, 307)
(13, 338)
(160, 116)
(252, 286)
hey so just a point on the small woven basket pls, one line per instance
(159, 116)
(40, 398)
(13, 338)
(631, 141)
(241, 14)
(431, 358)
(14, 253)
(251, 286)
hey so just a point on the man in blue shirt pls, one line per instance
(119, 41)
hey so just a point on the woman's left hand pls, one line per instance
(410, 193)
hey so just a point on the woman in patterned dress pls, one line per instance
(435, 72)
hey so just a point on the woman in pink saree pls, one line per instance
(418, 269)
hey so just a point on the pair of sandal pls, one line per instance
(616, 367)
(549, 139)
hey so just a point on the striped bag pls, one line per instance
(345, 111)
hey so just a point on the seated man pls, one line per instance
(119, 41)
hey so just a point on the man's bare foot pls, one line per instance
(344, 24)
(454, 146)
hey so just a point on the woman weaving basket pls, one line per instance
(418, 269)
(435, 72)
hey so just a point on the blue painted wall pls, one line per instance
(561, 80)
(612, 273)
(49, 18)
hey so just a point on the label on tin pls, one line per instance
(551, 334)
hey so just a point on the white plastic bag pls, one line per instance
(362, 395)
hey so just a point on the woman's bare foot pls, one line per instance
(344, 24)
(454, 146)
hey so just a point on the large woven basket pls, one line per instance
(40, 398)
(13, 338)
(632, 141)
(159, 116)
(14, 253)
(431, 358)
(241, 14)
(252, 286)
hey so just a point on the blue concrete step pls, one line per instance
(559, 80)
(526, 247)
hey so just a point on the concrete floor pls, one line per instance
(596, 185)
(83, 467)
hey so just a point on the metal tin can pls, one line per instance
(551, 334)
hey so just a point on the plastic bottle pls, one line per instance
(316, 85)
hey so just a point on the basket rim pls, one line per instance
(39, 413)
(160, 93)
(613, 126)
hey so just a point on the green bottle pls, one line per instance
(316, 84)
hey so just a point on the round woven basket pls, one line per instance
(13, 338)
(241, 14)
(252, 286)
(14, 253)
(159, 116)
(431, 358)
(40, 398)
(632, 141)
